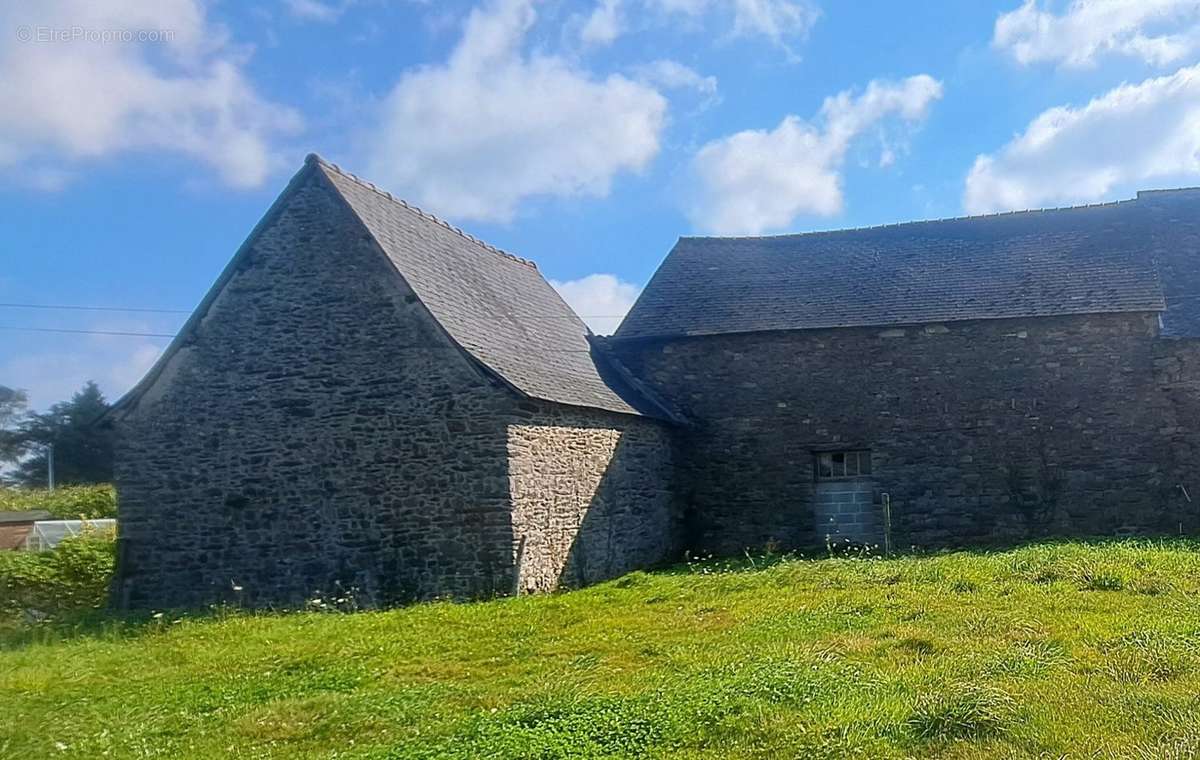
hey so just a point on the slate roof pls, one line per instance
(1087, 259)
(1175, 237)
(496, 306)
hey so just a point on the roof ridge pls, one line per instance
(313, 158)
(914, 222)
(1190, 190)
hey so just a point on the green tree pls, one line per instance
(12, 409)
(82, 450)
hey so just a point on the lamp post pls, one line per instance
(50, 466)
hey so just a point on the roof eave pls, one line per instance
(1160, 309)
(658, 408)
(127, 402)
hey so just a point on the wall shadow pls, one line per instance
(619, 532)
(592, 499)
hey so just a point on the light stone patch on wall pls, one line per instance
(591, 495)
(555, 474)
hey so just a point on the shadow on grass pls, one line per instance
(101, 624)
(18, 631)
(106, 625)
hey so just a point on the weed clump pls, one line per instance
(962, 711)
(1090, 576)
(1145, 656)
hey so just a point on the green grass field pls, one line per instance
(1058, 650)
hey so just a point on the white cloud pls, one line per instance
(757, 180)
(780, 21)
(181, 91)
(1159, 32)
(1134, 133)
(602, 300)
(314, 10)
(604, 25)
(672, 75)
(686, 7)
(47, 179)
(777, 20)
(473, 137)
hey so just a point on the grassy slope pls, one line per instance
(1044, 651)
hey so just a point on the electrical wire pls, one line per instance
(66, 307)
(87, 332)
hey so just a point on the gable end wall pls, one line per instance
(319, 432)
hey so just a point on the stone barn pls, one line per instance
(370, 398)
(988, 378)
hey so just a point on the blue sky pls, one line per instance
(141, 140)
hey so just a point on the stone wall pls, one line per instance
(320, 431)
(591, 495)
(981, 431)
(1177, 372)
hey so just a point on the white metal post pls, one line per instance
(887, 524)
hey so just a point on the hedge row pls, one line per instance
(66, 503)
(74, 576)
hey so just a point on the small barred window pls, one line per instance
(843, 464)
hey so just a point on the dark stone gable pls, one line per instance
(495, 306)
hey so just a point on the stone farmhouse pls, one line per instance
(370, 398)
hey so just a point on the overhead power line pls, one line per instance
(67, 307)
(123, 333)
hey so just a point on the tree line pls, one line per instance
(82, 450)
